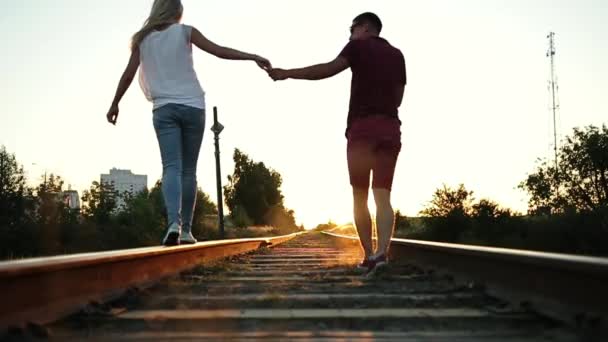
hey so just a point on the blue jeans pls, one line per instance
(179, 130)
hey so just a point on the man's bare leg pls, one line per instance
(363, 221)
(385, 220)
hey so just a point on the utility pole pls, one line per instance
(553, 88)
(217, 128)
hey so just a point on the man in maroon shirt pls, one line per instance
(373, 126)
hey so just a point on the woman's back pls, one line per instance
(166, 73)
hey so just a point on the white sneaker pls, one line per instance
(187, 238)
(172, 236)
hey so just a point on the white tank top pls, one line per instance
(166, 73)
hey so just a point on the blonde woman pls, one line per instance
(163, 49)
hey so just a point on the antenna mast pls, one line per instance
(554, 88)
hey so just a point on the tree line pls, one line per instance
(36, 221)
(567, 208)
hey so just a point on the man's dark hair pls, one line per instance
(371, 19)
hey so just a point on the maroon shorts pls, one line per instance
(374, 143)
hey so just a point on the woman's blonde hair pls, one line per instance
(164, 12)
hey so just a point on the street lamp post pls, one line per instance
(217, 128)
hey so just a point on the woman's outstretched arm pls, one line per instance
(206, 45)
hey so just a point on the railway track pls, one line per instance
(306, 288)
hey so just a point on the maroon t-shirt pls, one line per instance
(378, 68)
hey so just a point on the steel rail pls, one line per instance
(570, 288)
(42, 290)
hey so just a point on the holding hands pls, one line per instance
(262, 62)
(276, 74)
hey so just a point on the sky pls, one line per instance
(476, 108)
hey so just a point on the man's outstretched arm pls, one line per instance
(313, 72)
